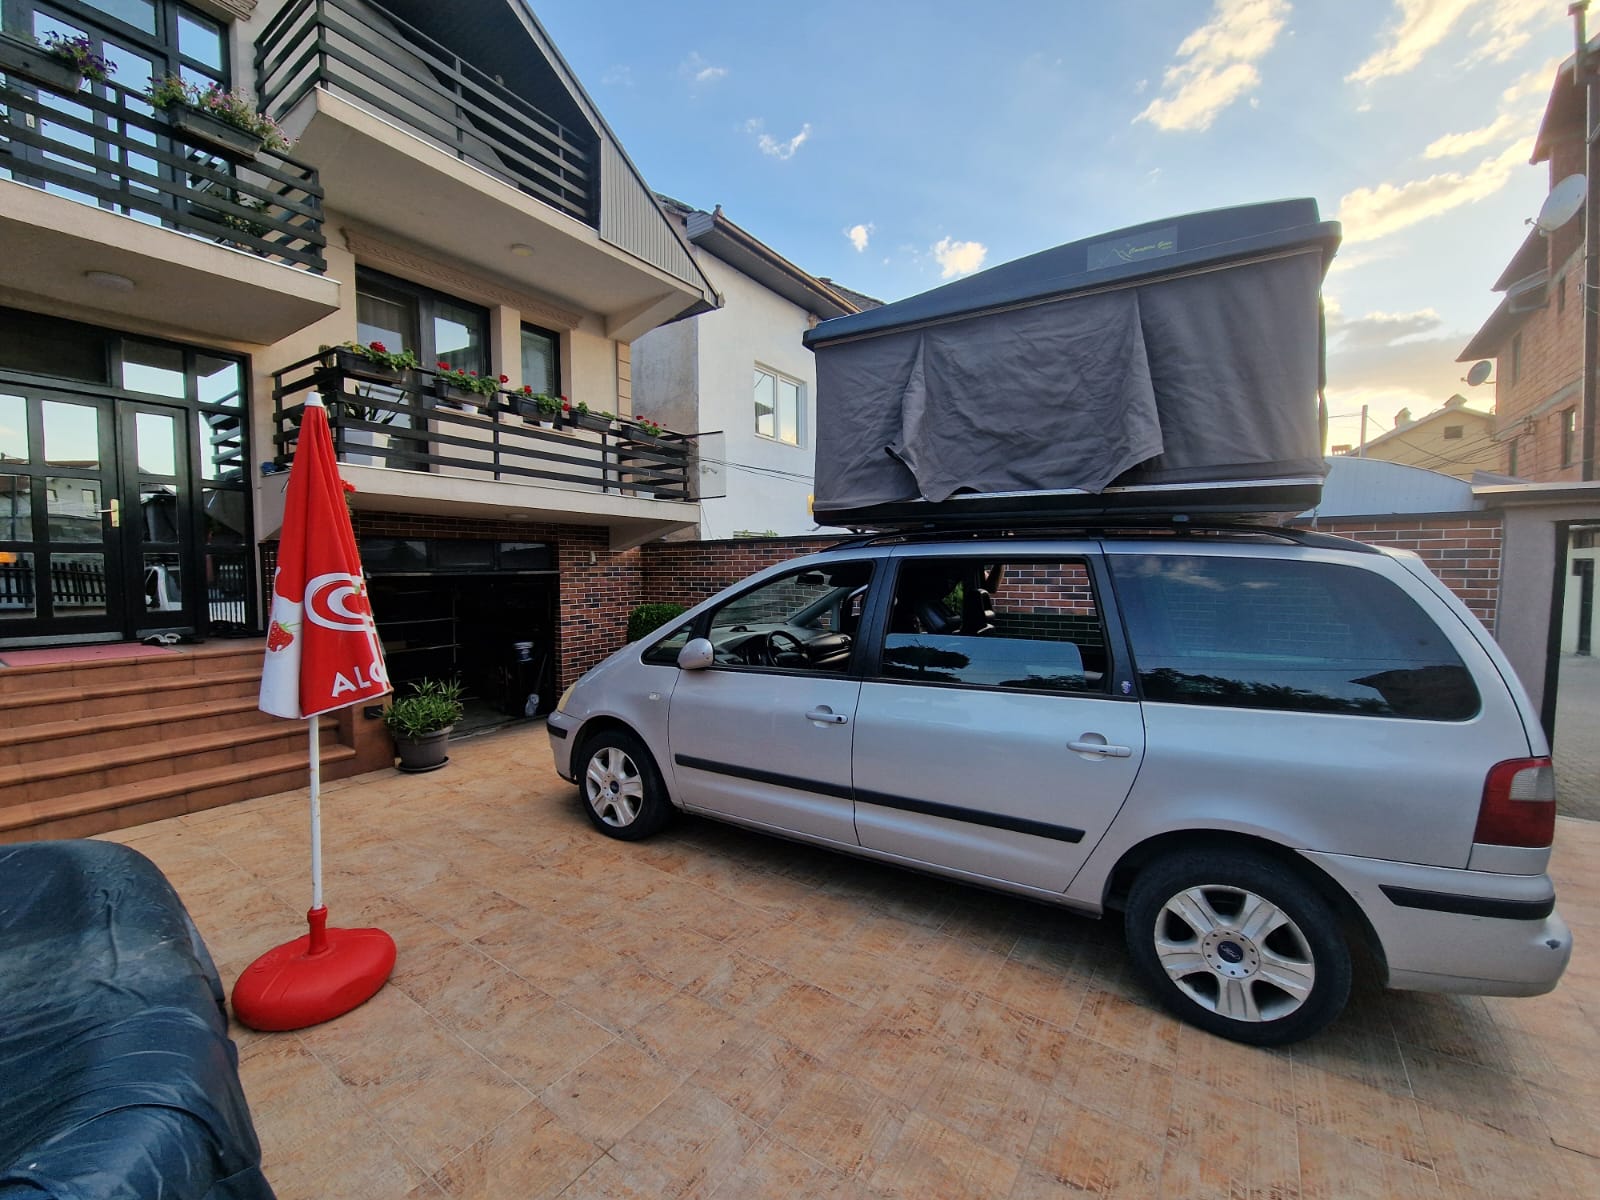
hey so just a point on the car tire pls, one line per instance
(621, 788)
(1239, 945)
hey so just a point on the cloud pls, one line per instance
(1536, 82)
(1452, 144)
(772, 146)
(1378, 329)
(698, 71)
(1501, 28)
(1215, 64)
(618, 76)
(859, 235)
(1388, 361)
(1375, 212)
(958, 258)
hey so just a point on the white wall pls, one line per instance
(754, 326)
(1570, 610)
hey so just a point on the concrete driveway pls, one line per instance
(715, 1013)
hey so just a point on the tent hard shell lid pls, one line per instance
(1174, 366)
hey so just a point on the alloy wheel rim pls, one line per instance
(614, 787)
(1235, 953)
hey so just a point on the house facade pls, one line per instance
(169, 301)
(741, 374)
(1534, 336)
(1453, 440)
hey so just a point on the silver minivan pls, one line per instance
(1259, 745)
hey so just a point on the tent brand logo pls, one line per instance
(337, 602)
(1153, 243)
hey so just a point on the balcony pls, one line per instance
(418, 147)
(207, 247)
(406, 449)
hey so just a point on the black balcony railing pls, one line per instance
(105, 145)
(373, 57)
(404, 420)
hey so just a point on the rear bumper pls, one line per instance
(1458, 931)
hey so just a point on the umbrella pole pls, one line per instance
(318, 916)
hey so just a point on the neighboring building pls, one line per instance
(742, 372)
(165, 305)
(1453, 440)
(1535, 334)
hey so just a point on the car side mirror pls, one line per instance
(697, 654)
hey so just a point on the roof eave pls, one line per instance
(753, 257)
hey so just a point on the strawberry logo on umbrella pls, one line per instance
(278, 636)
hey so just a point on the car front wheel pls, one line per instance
(1238, 945)
(622, 791)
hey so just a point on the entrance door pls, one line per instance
(95, 517)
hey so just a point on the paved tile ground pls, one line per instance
(718, 1014)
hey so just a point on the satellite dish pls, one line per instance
(1562, 204)
(1480, 371)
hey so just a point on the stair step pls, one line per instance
(146, 668)
(154, 757)
(21, 743)
(86, 813)
(60, 704)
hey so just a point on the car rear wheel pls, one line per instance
(621, 787)
(1238, 945)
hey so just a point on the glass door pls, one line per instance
(156, 525)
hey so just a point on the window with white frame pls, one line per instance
(778, 400)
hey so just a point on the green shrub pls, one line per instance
(648, 618)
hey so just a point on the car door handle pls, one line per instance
(827, 716)
(1102, 749)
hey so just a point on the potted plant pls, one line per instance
(374, 358)
(224, 123)
(458, 387)
(420, 723)
(61, 64)
(549, 409)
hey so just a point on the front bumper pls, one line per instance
(1448, 930)
(561, 730)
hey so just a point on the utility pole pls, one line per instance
(1361, 446)
(1583, 75)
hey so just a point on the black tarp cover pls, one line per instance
(1184, 352)
(120, 1081)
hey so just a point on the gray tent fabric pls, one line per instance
(1193, 369)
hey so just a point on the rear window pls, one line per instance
(1296, 636)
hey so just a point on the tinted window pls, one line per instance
(1300, 636)
(805, 620)
(1030, 625)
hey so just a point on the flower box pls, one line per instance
(451, 396)
(353, 362)
(585, 420)
(40, 66)
(226, 141)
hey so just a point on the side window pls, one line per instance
(804, 620)
(664, 652)
(1296, 636)
(1024, 625)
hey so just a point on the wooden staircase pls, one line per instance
(87, 747)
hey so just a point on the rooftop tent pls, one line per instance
(1170, 366)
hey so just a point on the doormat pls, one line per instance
(72, 654)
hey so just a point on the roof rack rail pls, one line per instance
(1178, 524)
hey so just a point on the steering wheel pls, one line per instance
(776, 645)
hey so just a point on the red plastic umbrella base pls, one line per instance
(313, 978)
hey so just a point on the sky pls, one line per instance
(894, 145)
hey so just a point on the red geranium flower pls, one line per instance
(565, 407)
(380, 347)
(505, 379)
(347, 485)
(442, 365)
(527, 389)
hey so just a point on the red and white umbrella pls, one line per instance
(322, 654)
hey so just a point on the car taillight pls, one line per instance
(1519, 804)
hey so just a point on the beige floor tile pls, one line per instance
(994, 1106)
(529, 1156)
(1132, 1026)
(816, 1021)
(1488, 1097)
(1013, 1040)
(1336, 1168)
(690, 1144)
(838, 1120)
(1044, 991)
(1135, 1095)
(926, 1158)
(1262, 1076)
(617, 993)
(610, 1092)
(1078, 1151)
(756, 1072)
(1358, 1112)
(774, 1169)
(685, 1031)
(1214, 1137)
(898, 1060)
(327, 1145)
(1475, 1160)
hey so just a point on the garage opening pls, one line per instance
(483, 612)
